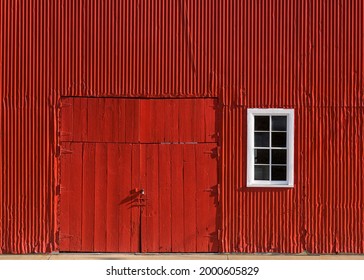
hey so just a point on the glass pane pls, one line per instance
(279, 139)
(261, 172)
(261, 123)
(279, 173)
(279, 156)
(279, 123)
(261, 139)
(261, 156)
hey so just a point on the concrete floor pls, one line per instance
(86, 256)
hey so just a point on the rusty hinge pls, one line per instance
(217, 138)
(60, 151)
(214, 234)
(65, 151)
(214, 152)
(214, 189)
(218, 151)
(58, 189)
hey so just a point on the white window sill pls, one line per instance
(269, 186)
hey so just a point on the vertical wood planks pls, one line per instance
(198, 120)
(189, 198)
(212, 201)
(211, 120)
(88, 196)
(150, 240)
(170, 121)
(206, 198)
(157, 118)
(132, 121)
(96, 199)
(137, 182)
(170, 165)
(177, 199)
(138, 120)
(113, 198)
(111, 116)
(185, 120)
(203, 192)
(146, 122)
(75, 196)
(95, 120)
(102, 211)
(79, 124)
(165, 200)
(100, 197)
(120, 125)
(124, 205)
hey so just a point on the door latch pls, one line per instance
(138, 191)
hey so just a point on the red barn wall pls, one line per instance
(306, 55)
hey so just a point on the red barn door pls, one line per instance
(128, 188)
(180, 198)
(99, 211)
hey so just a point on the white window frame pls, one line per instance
(289, 183)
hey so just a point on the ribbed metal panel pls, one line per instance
(333, 179)
(307, 55)
(137, 48)
(28, 132)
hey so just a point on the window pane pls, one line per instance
(279, 139)
(261, 172)
(261, 123)
(279, 123)
(279, 156)
(261, 139)
(261, 156)
(279, 173)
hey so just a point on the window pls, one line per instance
(270, 147)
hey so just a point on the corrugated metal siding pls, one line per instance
(306, 55)
(333, 179)
(28, 94)
(137, 48)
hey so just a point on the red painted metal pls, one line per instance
(307, 55)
